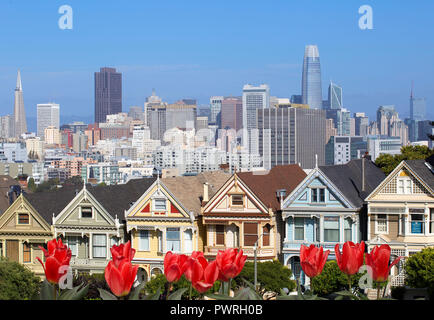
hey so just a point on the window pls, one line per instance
(99, 245)
(416, 223)
(299, 229)
(220, 234)
(86, 212)
(237, 200)
(266, 235)
(72, 244)
(381, 226)
(160, 204)
(347, 230)
(114, 241)
(250, 233)
(173, 240)
(404, 186)
(431, 223)
(23, 218)
(27, 256)
(331, 229)
(318, 195)
(143, 240)
(188, 240)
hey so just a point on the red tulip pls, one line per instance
(120, 273)
(351, 258)
(230, 263)
(378, 261)
(173, 266)
(312, 260)
(194, 266)
(210, 275)
(57, 256)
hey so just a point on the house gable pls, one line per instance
(401, 181)
(156, 202)
(84, 210)
(235, 198)
(316, 190)
(33, 222)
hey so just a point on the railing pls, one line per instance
(247, 251)
(86, 262)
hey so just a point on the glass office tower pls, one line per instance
(311, 82)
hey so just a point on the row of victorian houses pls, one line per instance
(271, 212)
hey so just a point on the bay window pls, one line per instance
(298, 228)
(348, 230)
(143, 240)
(381, 223)
(173, 240)
(331, 229)
(417, 223)
(99, 244)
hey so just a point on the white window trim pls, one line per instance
(304, 230)
(154, 202)
(91, 208)
(376, 224)
(18, 219)
(424, 226)
(149, 241)
(405, 187)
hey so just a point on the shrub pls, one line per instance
(272, 276)
(95, 281)
(332, 279)
(398, 293)
(17, 282)
(419, 269)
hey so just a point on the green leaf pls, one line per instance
(346, 293)
(155, 296)
(134, 294)
(177, 294)
(47, 291)
(289, 297)
(218, 296)
(247, 294)
(339, 298)
(105, 295)
(75, 293)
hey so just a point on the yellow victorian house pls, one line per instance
(165, 218)
(401, 212)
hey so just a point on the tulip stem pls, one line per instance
(378, 291)
(349, 283)
(54, 292)
(191, 289)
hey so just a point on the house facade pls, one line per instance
(165, 218)
(22, 231)
(401, 212)
(242, 214)
(326, 209)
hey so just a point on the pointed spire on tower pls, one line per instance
(19, 85)
(412, 89)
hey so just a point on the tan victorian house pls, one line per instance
(243, 212)
(401, 212)
(165, 218)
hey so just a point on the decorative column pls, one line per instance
(107, 244)
(90, 246)
(321, 228)
(369, 226)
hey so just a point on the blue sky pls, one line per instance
(201, 48)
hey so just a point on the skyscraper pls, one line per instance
(19, 112)
(48, 115)
(335, 100)
(417, 113)
(291, 136)
(253, 98)
(216, 107)
(232, 113)
(386, 115)
(311, 82)
(108, 93)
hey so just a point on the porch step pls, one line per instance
(372, 294)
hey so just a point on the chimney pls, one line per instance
(205, 192)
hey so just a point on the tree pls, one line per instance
(419, 269)
(388, 163)
(332, 279)
(31, 185)
(75, 181)
(272, 276)
(17, 282)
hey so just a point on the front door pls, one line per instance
(12, 250)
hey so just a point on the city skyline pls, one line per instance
(369, 78)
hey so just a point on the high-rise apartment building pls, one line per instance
(417, 114)
(232, 113)
(108, 93)
(48, 115)
(216, 107)
(254, 97)
(335, 99)
(361, 124)
(7, 126)
(341, 150)
(341, 119)
(386, 115)
(20, 122)
(291, 136)
(311, 82)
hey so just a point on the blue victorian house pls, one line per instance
(327, 208)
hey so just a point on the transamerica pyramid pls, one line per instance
(19, 112)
